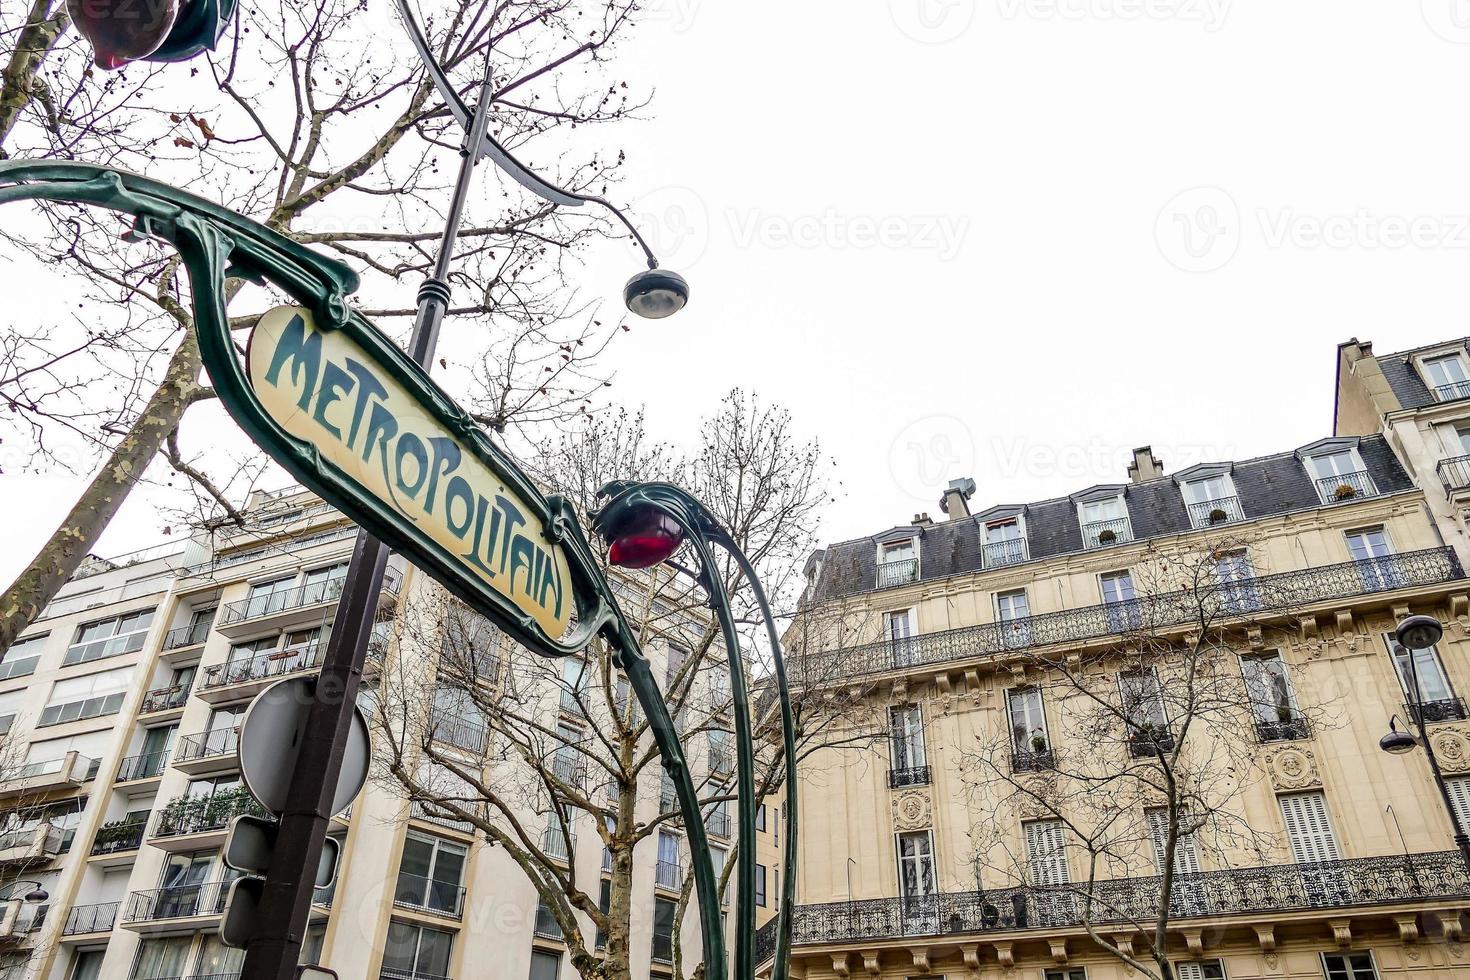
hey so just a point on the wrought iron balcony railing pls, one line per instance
(1454, 473)
(1029, 760)
(272, 663)
(85, 919)
(461, 734)
(1149, 743)
(998, 553)
(546, 925)
(1346, 486)
(144, 766)
(1212, 513)
(197, 815)
(1284, 730)
(186, 636)
(388, 973)
(1344, 884)
(1268, 593)
(270, 603)
(429, 895)
(557, 845)
(208, 745)
(910, 776)
(1452, 392)
(1445, 709)
(668, 874)
(163, 699)
(176, 902)
(718, 823)
(119, 836)
(1105, 534)
(891, 573)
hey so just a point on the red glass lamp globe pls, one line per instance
(645, 539)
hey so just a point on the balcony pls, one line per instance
(1454, 473)
(1039, 760)
(1161, 613)
(91, 920)
(663, 947)
(19, 920)
(31, 846)
(208, 753)
(909, 776)
(1346, 486)
(161, 909)
(1264, 891)
(668, 874)
(546, 925)
(388, 973)
(1452, 392)
(1213, 513)
(239, 680)
(195, 822)
(892, 573)
(290, 608)
(996, 554)
(50, 776)
(1149, 743)
(1445, 709)
(186, 636)
(120, 837)
(164, 699)
(420, 894)
(148, 765)
(556, 845)
(1286, 730)
(718, 823)
(1105, 534)
(420, 810)
(461, 734)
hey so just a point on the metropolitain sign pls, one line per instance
(373, 430)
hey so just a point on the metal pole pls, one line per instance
(285, 906)
(1461, 840)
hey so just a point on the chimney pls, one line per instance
(956, 500)
(922, 520)
(1145, 465)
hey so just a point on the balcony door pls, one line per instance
(1314, 844)
(182, 885)
(1013, 610)
(414, 951)
(1371, 549)
(906, 739)
(898, 630)
(1269, 690)
(1121, 600)
(1435, 693)
(162, 959)
(1046, 856)
(916, 882)
(431, 873)
(268, 597)
(1447, 376)
(1236, 580)
(216, 960)
(1187, 897)
(1028, 722)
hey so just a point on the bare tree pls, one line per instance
(1153, 749)
(308, 123)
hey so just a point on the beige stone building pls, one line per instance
(1343, 865)
(122, 705)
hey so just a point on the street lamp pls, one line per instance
(36, 895)
(1415, 633)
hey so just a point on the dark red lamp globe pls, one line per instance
(646, 538)
(122, 31)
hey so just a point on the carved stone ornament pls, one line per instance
(1452, 748)
(912, 811)
(1293, 767)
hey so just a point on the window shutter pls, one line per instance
(1308, 827)
(1186, 855)
(1046, 845)
(1459, 787)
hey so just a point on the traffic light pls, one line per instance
(150, 30)
(248, 849)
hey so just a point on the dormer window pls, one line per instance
(898, 562)
(1446, 376)
(1211, 500)
(1339, 475)
(1104, 522)
(1003, 543)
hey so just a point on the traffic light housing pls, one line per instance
(248, 848)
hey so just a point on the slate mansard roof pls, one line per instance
(1404, 378)
(1267, 486)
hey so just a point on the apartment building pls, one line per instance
(964, 630)
(122, 707)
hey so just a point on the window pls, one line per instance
(898, 563)
(663, 930)
(1046, 852)
(1004, 544)
(556, 840)
(1373, 552)
(1104, 522)
(760, 885)
(1340, 475)
(90, 696)
(1143, 705)
(898, 629)
(1030, 743)
(10, 703)
(1235, 583)
(218, 960)
(162, 959)
(1211, 501)
(430, 874)
(1435, 697)
(1308, 827)
(1349, 966)
(1014, 611)
(457, 719)
(1186, 851)
(1071, 973)
(721, 753)
(575, 678)
(678, 656)
(907, 765)
(1121, 600)
(915, 865)
(604, 902)
(322, 584)
(268, 597)
(1272, 703)
(1203, 970)
(760, 817)
(472, 645)
(414, 949)
(1445, 375)
(718, 823)
(21, 659)
(109, 638)
(544, 965)
(667, 873)
(87, 966)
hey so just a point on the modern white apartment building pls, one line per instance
(122, 705)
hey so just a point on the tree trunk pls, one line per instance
(18, 84)
(65, 550)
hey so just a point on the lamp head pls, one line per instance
(1419, 632)
(656, 293)
(36, 895)
(1397, 742)
(645, 537)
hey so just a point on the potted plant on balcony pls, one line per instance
(1038, 743)
(1107, 536)
(1344, 491)
(1218, 516)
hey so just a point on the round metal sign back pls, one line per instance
(270, 742)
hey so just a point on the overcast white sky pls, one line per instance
(1013, 239)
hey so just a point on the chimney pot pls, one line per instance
(956, 500)
(1145, 465)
